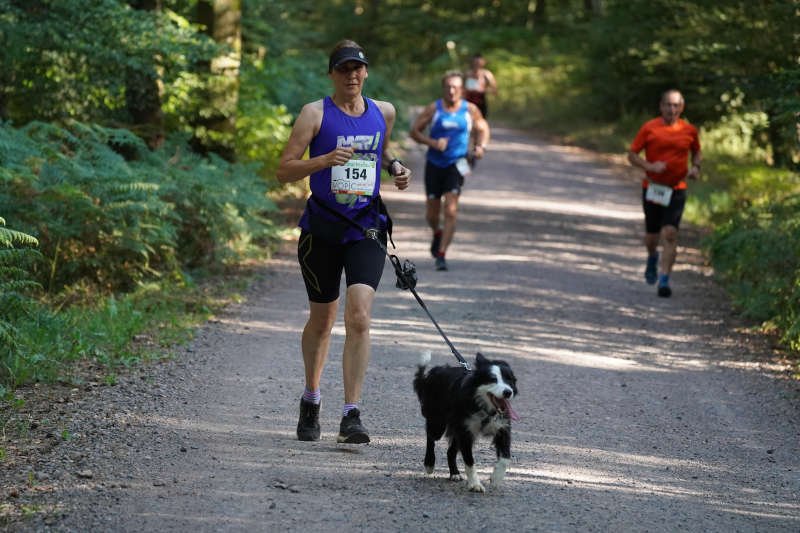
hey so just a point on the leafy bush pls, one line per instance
(757, 254)
(74, 58)
(16, 305)
(14, 281)
(108, 211)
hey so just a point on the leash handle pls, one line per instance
(402, 275)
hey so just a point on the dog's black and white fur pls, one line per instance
(466, 406)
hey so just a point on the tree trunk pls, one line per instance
(540, 15)
(3, 105)
(143, 93)
(223, 23)
(780, 141)
(593, 8)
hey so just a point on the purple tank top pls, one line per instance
(366, 134)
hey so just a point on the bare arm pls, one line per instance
(492, 84)
(697, 161)
(401, 174)
(422, 122)
(292, 166)
(637, 161)
(480, 130)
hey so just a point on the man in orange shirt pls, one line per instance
(667, 142)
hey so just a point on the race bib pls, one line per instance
(472, 84)
(357, 176)
(658, 194)
(462, 165)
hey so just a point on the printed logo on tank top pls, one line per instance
(359, 142)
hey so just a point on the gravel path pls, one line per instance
(638, 413)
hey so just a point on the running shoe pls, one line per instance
(435, 243)
(308, 425)
(441, 264)
(351, 431)
(651, 272)
(663, 286)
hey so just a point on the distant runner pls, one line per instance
(478, 82)
(454, 124)
(667, 142)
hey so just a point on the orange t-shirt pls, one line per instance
(670, 144)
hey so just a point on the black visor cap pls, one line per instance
(343, 55)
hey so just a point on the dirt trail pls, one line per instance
(638, 413)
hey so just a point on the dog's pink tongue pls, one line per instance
(511, 412)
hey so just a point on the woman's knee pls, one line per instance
(357, 320)
(322, 318)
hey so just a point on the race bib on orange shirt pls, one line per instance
(658, 194)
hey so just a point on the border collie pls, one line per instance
(466, 405)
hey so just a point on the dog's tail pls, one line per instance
(425, 358)
(419, 378)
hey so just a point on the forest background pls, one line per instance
(139, 139)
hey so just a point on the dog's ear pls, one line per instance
(480, 359)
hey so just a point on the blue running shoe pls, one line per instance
(441, 264)
(663, 286)
(651, 272)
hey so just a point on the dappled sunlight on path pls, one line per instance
(633, 415)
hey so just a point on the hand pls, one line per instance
(402, 177)
(440, 144)
(694, 173)
(657, 167)
(479, 151)
(340, 156)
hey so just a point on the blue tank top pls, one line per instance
(456, 126)
(366, 134)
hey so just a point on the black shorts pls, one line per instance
(440, 180)
(657, 216)
(322, 262)
(479, 100)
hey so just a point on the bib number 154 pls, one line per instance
(357, 176)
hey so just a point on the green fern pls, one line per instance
(757, 254)
(15, 284)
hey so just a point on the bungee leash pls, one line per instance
(406, 273)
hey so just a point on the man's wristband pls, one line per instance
(392, 162)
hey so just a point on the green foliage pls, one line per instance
(116, 331)
(72, 58)
(115, 222)
(15, 303)
(757, 254)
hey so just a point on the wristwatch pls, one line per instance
(392, 162)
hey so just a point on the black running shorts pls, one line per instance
(322, 263)
(657, 216)
(441, 180)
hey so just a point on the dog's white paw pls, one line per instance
(499, 472)
(473, 483)
(429, 470)
(456, 477)
(476, 487)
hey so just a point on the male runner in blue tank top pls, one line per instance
(454, 122)
(347, 136)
